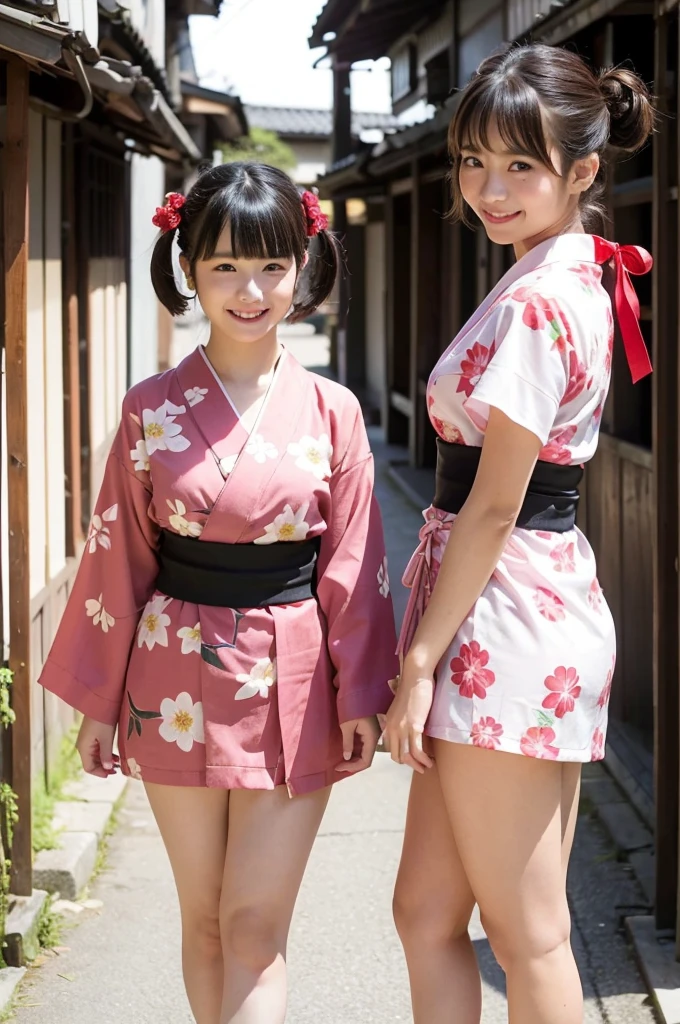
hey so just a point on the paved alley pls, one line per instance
(122, 964)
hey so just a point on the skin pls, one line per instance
(519, 847)
(236, 900)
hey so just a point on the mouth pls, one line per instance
(245, 317)
(499, 218)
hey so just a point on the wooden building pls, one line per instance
(423, 276)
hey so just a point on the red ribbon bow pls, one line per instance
(316, 219)
(167, 217)
(628, 259)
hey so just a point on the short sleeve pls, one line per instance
(526, 374)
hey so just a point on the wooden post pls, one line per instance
(16, 268)
(416, 300)
(71, 350)
(341, 146)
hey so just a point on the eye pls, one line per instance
(471, 161)
(224, 267)
(275, 266)
(520, 165)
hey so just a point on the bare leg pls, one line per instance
(513, 820)
(193, 824)
(433, 903)
(270, 839)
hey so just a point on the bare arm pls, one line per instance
(478, 536)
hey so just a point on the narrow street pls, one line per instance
(122, 964)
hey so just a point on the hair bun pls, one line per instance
(630, 108)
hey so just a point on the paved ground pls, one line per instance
(122, 964)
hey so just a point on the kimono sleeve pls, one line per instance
(527, 346)
(88, 661)
(353, 588)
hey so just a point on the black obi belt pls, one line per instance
(236, 575)
(550, 502)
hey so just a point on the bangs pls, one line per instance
(261, 226)
(511, 107)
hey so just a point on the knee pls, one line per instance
(201, 931)
(431, 919)
(518, 939)
(252, 936)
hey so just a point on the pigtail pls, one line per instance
(326, 262)
(163, 275)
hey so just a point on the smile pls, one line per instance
(499, 218)
(257, 315)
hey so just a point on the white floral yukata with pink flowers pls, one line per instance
(530, 669)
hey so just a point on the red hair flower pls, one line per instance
(167, 217)
(316, 219)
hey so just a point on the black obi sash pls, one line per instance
(236, 575)
(549, 504)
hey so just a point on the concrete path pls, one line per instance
(122, 965)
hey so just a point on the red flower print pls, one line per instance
(549, 604)
(472, 368)
(603, 699)
(544, 535)
(446, 431)
(487, 733)
(588, 274)
(597, 415)
(541, 313)
(565, 691)
(469, 673)
(577, 379)
(537, 742)
(557, 449)
(597, 749)
(563, 557)
(595, 595)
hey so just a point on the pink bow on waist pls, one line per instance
(420, 579)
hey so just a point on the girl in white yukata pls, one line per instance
(508, 645)
(220, 616)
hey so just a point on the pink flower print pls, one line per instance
(603, 699)
(588, 274)
(446, 431)
(595, 595)
(537, 742)
(577, 379)
(487, 733)
(549, 604)
(557, 449)
(468, 671)
(563, 557)
(541, 313)
(597, 415)
(545, 535)
(597, 749)
(472, 368)
(564, 691)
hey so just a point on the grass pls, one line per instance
(67, 767)
(50, 926)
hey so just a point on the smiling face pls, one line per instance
(519, 199)
(244, 299)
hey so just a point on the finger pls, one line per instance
(348, 740)
(105, 748)
(417, 751)
(410, 762)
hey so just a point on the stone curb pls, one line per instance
(661, 971)
(81, 818)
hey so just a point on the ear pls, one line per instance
(583, 173)
(185, 265)
(305, 260)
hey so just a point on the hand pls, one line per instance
(95, 746)
(359, 739)
(406, 719)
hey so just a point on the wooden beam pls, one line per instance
(16, 267)
(71, 351)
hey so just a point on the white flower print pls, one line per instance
(99, 534)
(191, 638)
(178, 522)
(140, 457)
(260, 449)
(182, 722)
(313, 455)
(153, 627)
(384, 579)
(227, 464)
(261, 676)
(98, 613)
(134, 769)
(160, 430)
(287, 526)
(195, 395)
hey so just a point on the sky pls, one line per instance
(259, 50)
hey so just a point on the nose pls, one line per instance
(494, 189)
(250, 291)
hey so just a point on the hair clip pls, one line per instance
(316, 219)
(167, 217)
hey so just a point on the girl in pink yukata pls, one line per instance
(220, 616)
(508, 645)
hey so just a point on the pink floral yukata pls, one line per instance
(225, 697)
(530, 669)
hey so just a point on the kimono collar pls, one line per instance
(628, 259)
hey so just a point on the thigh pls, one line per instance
(571, 792)
(270, 839)
(432, 895)
(506, 814)
(193, 824)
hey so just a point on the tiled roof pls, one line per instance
(313, 123)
